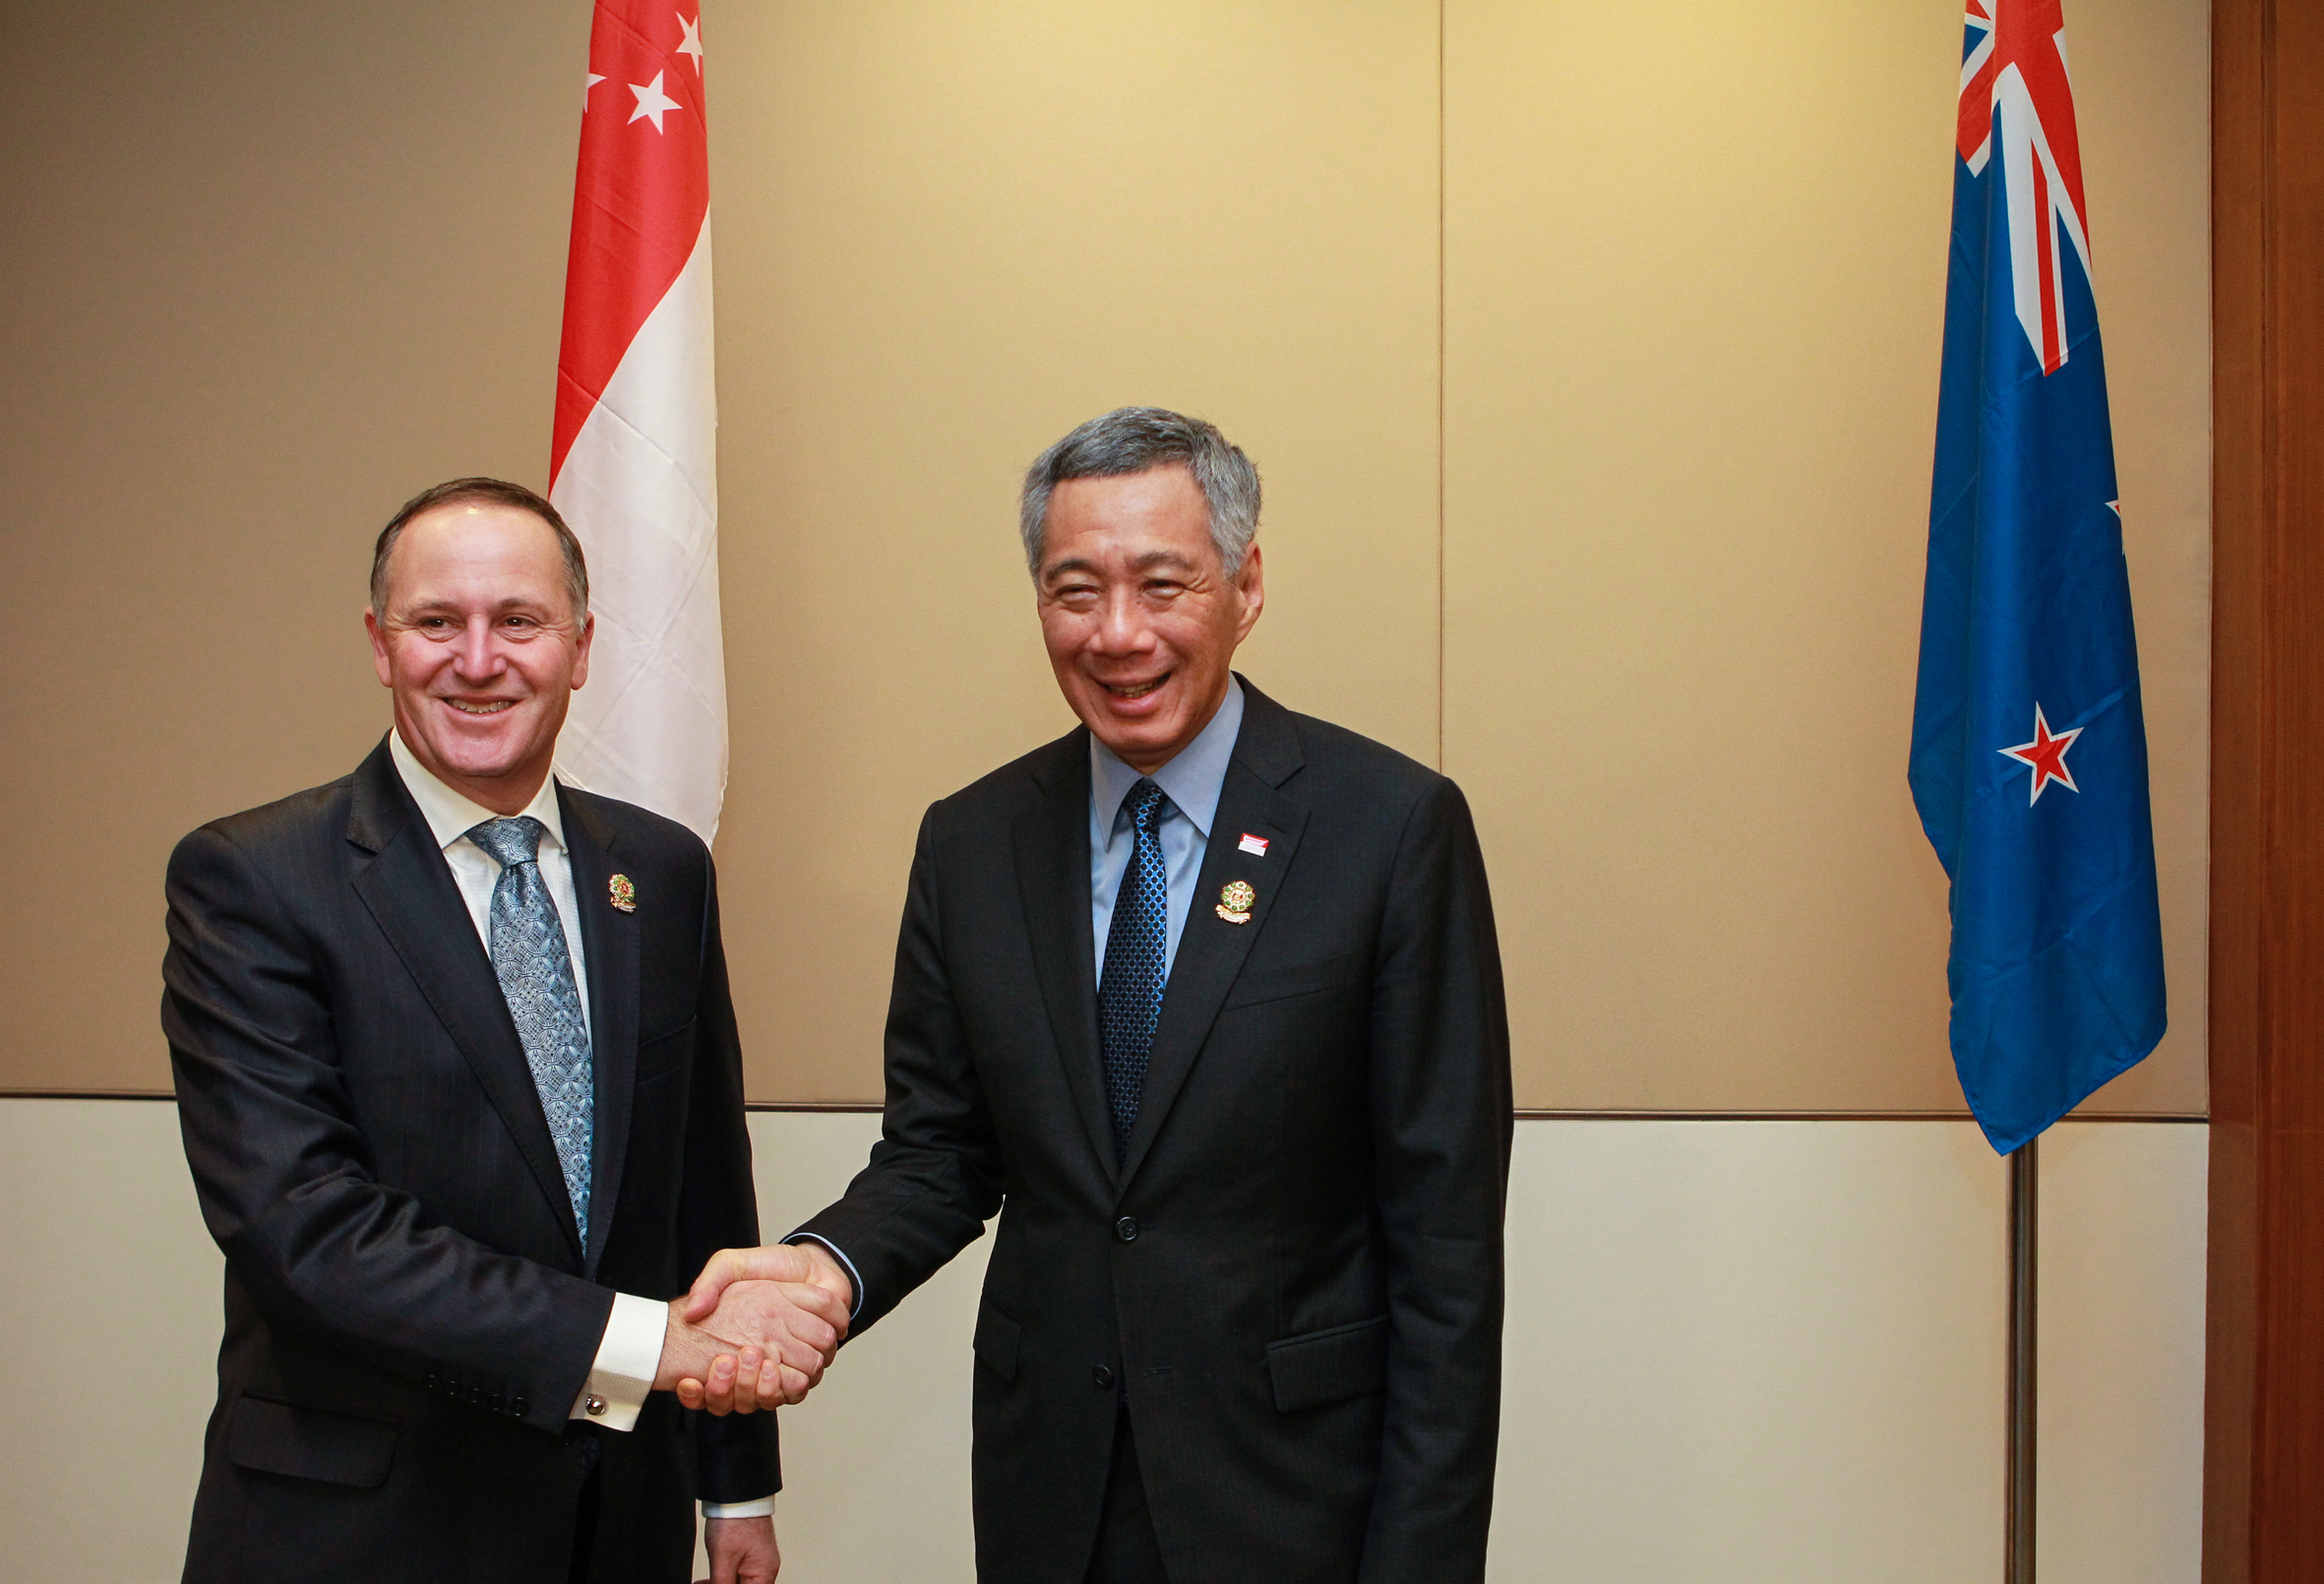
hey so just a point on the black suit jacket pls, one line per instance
(1296, 1275)
(409, 1311)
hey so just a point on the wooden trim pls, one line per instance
(2264, 1393)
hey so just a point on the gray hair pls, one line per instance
(481, 492)
(1138, 440)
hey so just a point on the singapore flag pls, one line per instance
(633, 464)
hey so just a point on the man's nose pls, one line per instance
(1122, 627)
(477, 656)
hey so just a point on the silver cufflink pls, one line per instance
(593, 1405)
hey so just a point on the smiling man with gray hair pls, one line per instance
(1203, 999)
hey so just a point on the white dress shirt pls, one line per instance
(630, 1353)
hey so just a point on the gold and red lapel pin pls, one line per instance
(624, 894)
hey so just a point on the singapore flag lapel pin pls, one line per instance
(1256, 846)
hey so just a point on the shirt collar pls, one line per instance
(451, 815)
(1191, 781)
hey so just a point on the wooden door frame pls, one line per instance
(2263, 1518)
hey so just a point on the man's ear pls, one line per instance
(1252, 581)
(580, 648)
(379, 647)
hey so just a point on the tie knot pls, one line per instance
(511, 841)
(1146, 804)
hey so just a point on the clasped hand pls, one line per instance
(757, 1330)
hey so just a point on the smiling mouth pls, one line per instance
(1135, 690)
(490, 706)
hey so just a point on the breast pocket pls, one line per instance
(1258, 985)
(665, 1054)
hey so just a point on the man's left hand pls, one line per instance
(741, 1551)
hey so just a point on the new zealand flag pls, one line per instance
(2029, 760)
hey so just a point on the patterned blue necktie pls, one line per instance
(535, 972)
(1130, 998)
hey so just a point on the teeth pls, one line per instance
(492, 708)
(1139, 690)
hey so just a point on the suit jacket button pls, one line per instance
(519, 1406)
(1127, 1229)
(1101, 1377)
(593, 1405)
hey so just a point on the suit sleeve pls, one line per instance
(287, 1184)
(1441, 1119)
(936, 1175)
(718, 1209)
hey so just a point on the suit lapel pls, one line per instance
(409, 891)
(1212, 949)
(1052, 840)
(609, 942)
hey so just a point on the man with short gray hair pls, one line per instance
(1206, 994)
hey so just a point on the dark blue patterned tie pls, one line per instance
(535, 972)
(1130, 996)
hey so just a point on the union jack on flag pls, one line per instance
(2015, 76)
(2027, 647)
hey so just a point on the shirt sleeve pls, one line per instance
(764, 1508)
(628, 1359)
(856, 1304)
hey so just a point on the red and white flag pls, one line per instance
(634, 465)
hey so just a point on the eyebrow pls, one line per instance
(513, 604)
(1145, 563)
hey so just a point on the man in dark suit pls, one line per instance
(1206, 994)
(462, 1094)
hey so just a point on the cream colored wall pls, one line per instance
(1687, 263)
(269, 270)
(1694, 282)
(1739, 1353)
(943, 239)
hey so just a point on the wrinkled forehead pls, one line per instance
(477, 556)
(1129, 521)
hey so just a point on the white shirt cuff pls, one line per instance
(628, 1357)
(764, 1508)
(855, 1308)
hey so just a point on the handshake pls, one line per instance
(757, 1328)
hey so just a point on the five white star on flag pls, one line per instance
(652, 102)
(691, 44)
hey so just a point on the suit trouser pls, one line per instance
(1126, 1552)
(584, 1518)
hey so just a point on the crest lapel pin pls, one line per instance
(1234, 902)
(624, 895)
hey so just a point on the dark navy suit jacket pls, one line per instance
(409, 1311)
(1294, 1279)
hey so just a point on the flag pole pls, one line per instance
(2025, 1222)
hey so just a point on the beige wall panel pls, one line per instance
(1694, 262)
(1737, 1352)
(2121, 1441)
(269, 270)
(108, 1342)
(945, 234)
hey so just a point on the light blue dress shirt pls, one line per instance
(1191, 785)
